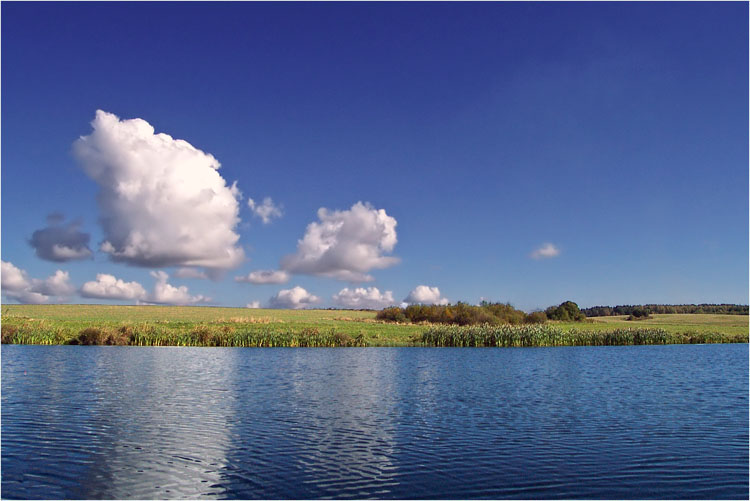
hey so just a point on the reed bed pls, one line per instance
(164, 327)
(550, 335)
(147, 334)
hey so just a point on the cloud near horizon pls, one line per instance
(162, 201)
(17, 285)
(345, 244)
(546, 251)
(60, 242)
(166, 293)
(262, 277)
(423, 294)
(361, 298)
(110, 287)
(294, 298)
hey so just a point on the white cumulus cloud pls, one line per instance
(294, 298)
(110, 287)
(361, 298)
(345, 245)
(266, 211)
(423, 294)
(264, 277)
(55, 285)
(162, 201)
(61, 242)
(16, 284)
(165, 293)
(253, 304)
(546, 251)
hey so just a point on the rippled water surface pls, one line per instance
(579, 422)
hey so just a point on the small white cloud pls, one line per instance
(16, 284)
(264, 277)
(294, 298)
(345, 245)
(162, 201)
(361, 298)
(253, 304)
(61, 242)
(110, 287)
(546, 251)
(190, 273)
(266, 211)
(165, 293)
(423, 294)
(55, 285)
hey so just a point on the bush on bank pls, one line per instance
(462, 314)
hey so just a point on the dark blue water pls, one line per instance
(579, 422)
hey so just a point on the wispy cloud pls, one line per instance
(261, 277)
(190, 273)
(546, 251)
(266, 211)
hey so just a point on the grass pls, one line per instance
(554, 335)
(208, 326)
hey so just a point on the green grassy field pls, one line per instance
(170, 325)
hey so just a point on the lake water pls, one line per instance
(579, 422)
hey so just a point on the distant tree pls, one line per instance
(724, 309)
(566, 312)
(535, 317)
(639, 313)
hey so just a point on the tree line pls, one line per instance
(629, 309)
(484, 313)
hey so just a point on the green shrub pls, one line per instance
(566, 312)
(535, 317)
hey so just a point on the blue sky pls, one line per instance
(615, 132)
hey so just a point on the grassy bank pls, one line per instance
(206, 326)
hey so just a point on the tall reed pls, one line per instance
(550, 335)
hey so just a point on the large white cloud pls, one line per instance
(165, 293)
(294, 298)
(266, 211)
(110, 287)
(162, 201)
(423, 294)
(261, 277)
(546, 251)
(16, 284)
(346, 244)
(361, 298)
(61, 242)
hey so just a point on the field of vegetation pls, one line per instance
(209, 326)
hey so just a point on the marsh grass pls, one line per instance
(208, 326)
(550, 335)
